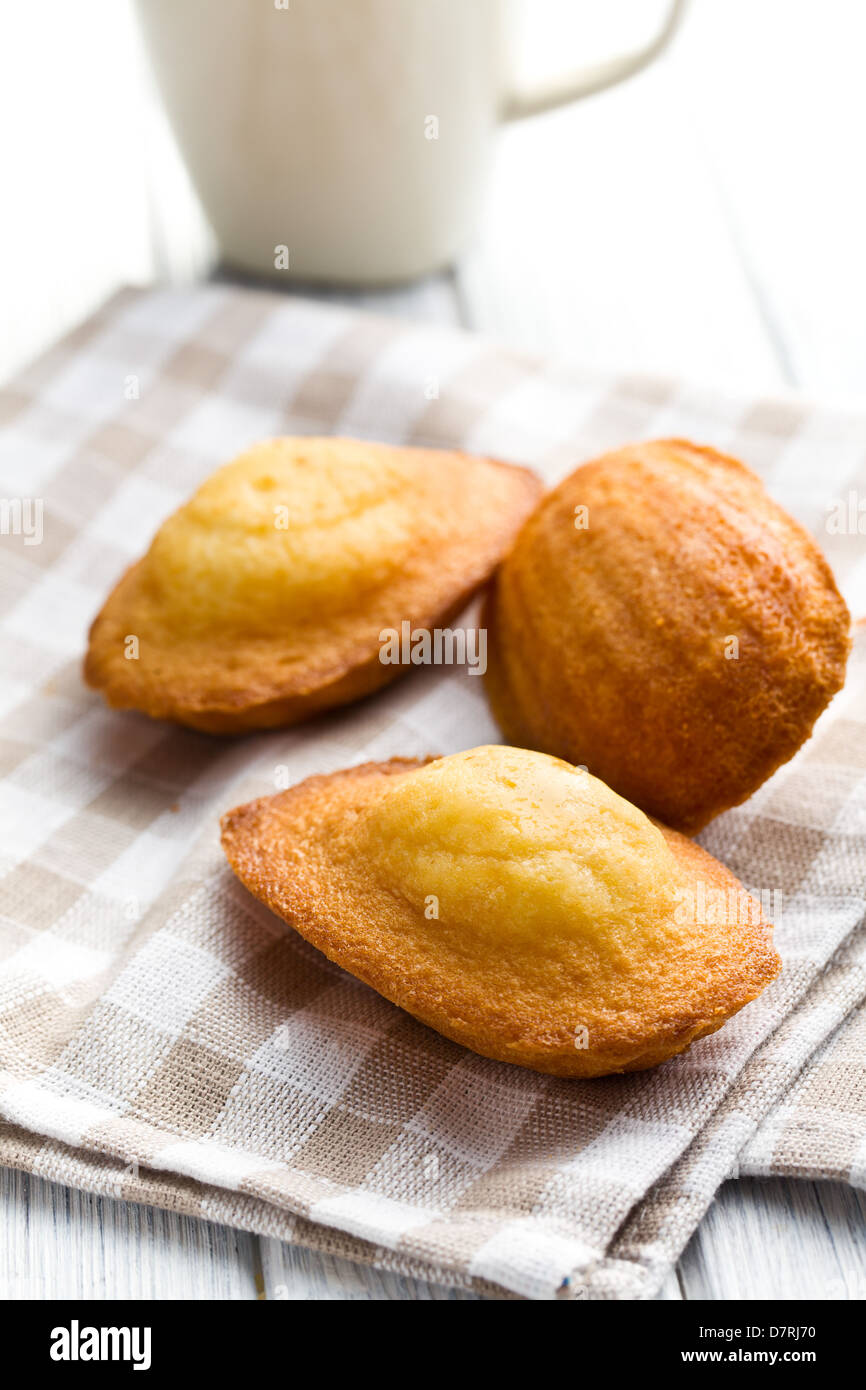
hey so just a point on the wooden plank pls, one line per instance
(671, 1290)
(75, 224)
(775, 98)
(601, 240)
(769, 1238)
(844, 1212)
(62, 1243)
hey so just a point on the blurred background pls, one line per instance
(707, 217)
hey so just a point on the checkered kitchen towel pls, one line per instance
(164, 1038)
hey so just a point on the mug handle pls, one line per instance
(583, 82)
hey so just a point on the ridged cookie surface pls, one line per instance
(663, 622)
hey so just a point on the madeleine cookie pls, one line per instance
(261, 600)
(514, 903)
(663, 622)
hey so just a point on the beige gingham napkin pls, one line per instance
(164, 1038)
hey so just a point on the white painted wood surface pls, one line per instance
(769, 1238)
(708, 219)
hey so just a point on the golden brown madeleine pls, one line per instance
(261, 600)
(512, 902)
(663, 622)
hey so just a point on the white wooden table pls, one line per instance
(709, 220)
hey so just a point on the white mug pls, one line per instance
(346, 140)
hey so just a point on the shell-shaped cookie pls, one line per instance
(264, 598)
(514, 903)
(663, 622)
